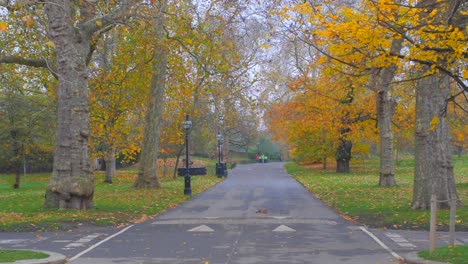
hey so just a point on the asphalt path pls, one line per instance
(259, 214)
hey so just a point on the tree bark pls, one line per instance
(385, 111)
(433, 162)
(343, 156)
(179, 153)
(147, 173)
(111, 163)
(72, 182)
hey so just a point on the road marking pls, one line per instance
(280, 217)
(62, 241)
(249, 221)
(395, 255)
(202, 228)
(283, 228)
(75, 245)
(99, 243)
(81, 242)
(401, 241)
(12, 241)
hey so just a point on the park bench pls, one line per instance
(195, 171)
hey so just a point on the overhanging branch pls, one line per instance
(39, 63)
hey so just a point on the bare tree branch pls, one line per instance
(39, 63)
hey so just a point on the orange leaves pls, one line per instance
(3, 26)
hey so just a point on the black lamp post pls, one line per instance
(187, 188)
(219, 167)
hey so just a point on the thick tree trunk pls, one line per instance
(433, 162)
(385, 110)
(72, 182)
(343, 156)
(110, 165)
(147, 174)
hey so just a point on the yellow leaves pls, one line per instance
(433, 124)
(3, 26)
(50, 44)
(264, 46)
(303, 8)
(28, 21)
(465, 74)
(99, 23)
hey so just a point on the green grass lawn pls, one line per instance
(116, 203)
(358, 197)
(14, 255)
(453, 255)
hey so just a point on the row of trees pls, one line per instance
(123, 74)
(366, 71)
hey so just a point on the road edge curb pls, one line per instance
(413, 258)
(54, 258)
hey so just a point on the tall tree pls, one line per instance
(72, 28)
(434, 167)
(147, 177)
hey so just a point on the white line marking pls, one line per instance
(283, 228)
(62, 241)
(202, 228)
(99, 243)
(84, 240)
(395, 255)
(399, 240)
(408, 245)
(75, 244)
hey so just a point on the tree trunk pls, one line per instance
(177, 162)
(16, 185)
(433, 162)
(343, 156)
(147, 173)
(17, 149)
(72, 182)
(385, 110)
(110, 165)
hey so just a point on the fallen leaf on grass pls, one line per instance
(142, 219)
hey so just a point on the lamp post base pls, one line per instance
(188, 188)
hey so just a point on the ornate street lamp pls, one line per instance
(187, 188)
(219, 167)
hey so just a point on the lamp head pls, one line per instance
(187, 123)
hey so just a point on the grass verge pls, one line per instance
(453, 255)
(116, 203)
(7, 255)
(358, 197)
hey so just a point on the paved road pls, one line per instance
(259, 214)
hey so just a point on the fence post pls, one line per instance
(432, 230)
(453, 209)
